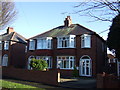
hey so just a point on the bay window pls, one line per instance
(48, 59)
(44, 43)
(66, 41)
(86, 41)
(65, 62)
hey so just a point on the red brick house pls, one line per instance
(12, 49)
(67, 46)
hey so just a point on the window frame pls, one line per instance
(44, 43)
(61, 62)
(84, 41)
(31, 44)
(47, 59)
(4, 60)
(66, 41)
(6, 45)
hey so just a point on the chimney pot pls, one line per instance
(9, 30)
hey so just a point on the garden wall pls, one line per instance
(108, 81)
(51, 77)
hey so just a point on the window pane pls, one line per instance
(39, 44)
(6, 45)
(32, 45)
(67, 64)
(87, 41)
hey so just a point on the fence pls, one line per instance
(108, 81)
(51, 77)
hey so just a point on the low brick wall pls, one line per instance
(107, 81)
(51, 77)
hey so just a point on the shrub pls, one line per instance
(38, 64)
(75, 72)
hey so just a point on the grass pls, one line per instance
(8, 84)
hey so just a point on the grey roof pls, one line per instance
(74, 29)
(13, 36)
(6, 37)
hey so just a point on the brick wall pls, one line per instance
(47, 77)
(107, 81)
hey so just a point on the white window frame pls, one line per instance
(32, 44)
(5, 60)
(85, 58)
(6, 45)
(44, 43)
(66, 41)
(86, 41)
(61, 62)
(28, 64)
(48, 59)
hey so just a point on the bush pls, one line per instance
(38, 64)
(75, 72)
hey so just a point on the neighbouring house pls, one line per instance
(113, 65)
(12, 49)
(67, 46)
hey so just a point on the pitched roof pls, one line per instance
(6, 37)
(74, 29)
(13, 36)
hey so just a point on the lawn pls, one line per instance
(8, 84)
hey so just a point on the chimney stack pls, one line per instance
(9, 30)
(67, 21)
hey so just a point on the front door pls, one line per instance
(85, 67)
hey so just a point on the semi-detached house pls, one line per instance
(67, 46)
(12, 49)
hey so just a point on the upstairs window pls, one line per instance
(32, 45)
(86, 41)
(66, 41)
(44, 43)
(6, 45)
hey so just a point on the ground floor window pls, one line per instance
(29, 59)
(48, 59)
(5, 60)
(65, 62)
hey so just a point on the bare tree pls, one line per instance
(104, 10)
(7, 13)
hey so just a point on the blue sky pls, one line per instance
(37, 17)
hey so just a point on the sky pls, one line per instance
(37, 17)
(34, 18)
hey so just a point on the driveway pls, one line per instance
(78, 82)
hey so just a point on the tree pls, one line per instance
(38, 64)
(7, 13)
(113, 40)
(104, 10)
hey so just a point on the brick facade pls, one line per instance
(97, 51)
